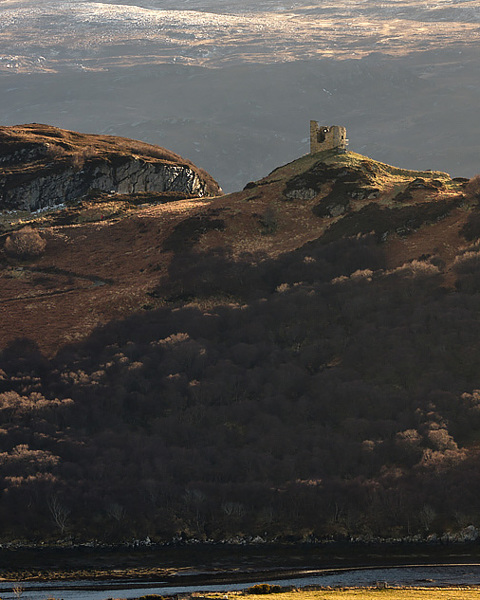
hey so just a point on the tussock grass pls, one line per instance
(377, 593)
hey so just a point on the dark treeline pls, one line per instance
(318, 394)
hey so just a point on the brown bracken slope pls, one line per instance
(107, 255)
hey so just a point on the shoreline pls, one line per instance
(277, 590)
(118, 580)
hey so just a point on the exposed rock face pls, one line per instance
(335, 186)
(41, 166)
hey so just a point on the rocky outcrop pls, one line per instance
(42, 166)
(63, 184)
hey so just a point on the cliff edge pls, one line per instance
(42, 166)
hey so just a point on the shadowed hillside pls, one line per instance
(294, 361)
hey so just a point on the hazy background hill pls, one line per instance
(233, 88)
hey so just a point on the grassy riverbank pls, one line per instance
(383, 594)
(377, 593)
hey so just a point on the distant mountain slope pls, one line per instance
(42, 166)
(219, 33)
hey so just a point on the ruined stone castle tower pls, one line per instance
(323, 137)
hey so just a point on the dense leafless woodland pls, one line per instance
(321, 395)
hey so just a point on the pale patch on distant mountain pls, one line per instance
(61, 34)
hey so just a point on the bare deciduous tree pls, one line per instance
(116, 511)
(59, 512)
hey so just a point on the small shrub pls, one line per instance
(269, 221)
(78, 159)
(471, 229)
(55, 152)
(25, 243)
(467, 268)
(263, 588)
(472, 188)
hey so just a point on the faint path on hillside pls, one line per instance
(96, 281)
